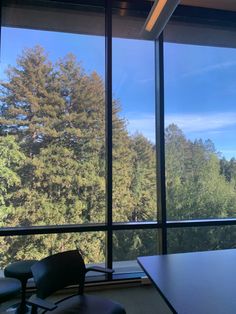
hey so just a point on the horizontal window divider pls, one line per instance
(136, 225)
(201, 223)
(10, 231)
(14, 231)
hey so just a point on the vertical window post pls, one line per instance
(160, 141)
(108, 104)
(0, 28)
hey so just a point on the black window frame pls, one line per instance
(182, 14)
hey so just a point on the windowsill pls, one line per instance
(124, 270)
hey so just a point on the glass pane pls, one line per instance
(201, 239)
(200, 121)
(52, 116)
(134, 161)
(129, 244)
(91, 245)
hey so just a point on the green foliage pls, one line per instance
(143, 185)
(195, 185)
(11, 160)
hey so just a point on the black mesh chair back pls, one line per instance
(58, 271)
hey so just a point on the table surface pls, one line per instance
(195, 283)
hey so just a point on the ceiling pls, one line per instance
(137, 5)
(229, 5)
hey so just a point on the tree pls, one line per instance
(143, 184)
(196, 189)
(178, 167)
(55, 113)
(11, 160)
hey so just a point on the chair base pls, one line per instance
(19, 309)
(87, 304)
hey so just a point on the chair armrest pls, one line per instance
(44, 304)
(100, 270)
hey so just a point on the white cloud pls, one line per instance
(202, 122)
(145, 80)
(144, 124)
(212, 123)
(210, 68)
(227, 153)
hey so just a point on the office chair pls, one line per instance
(60, 270)
(9, 288)
(20, 270)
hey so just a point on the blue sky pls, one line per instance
(200, 82)
(200, 93)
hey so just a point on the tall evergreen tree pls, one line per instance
(144, 180)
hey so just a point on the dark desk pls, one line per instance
(195, 283)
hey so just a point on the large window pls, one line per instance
(201, 239)
(134, 191)
(134, 164)
(41, 245)
(52, 128)
(52, 135)
(200, 119)
(55, 131)
(85, 158)
(200, 123)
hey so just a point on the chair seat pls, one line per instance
(8, 288)
(87, 304)
(20, 270)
